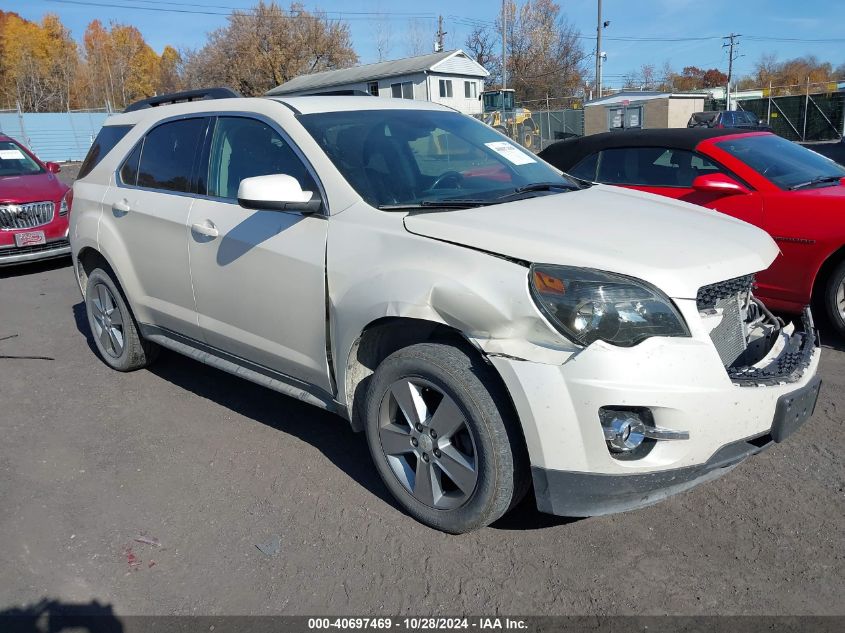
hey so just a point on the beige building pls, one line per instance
(640, 110)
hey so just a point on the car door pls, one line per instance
(671, 172)
(259, 276)
(146, 212)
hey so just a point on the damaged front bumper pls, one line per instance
(684, 386)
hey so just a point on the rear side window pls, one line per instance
(108, 137)
(168, 154)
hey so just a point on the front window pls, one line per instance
(243, 148)
(470, 90)
(786, 164)
(498, 100)
(14, 161)
(372, 88)
(404, 90)
(651, 167)
(414, 157)
(446, 88)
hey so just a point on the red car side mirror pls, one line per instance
(718, 183)
(53, 168)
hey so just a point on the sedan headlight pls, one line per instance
(587, 305)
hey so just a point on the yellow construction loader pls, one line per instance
(499, 111)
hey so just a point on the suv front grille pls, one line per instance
(731, 297)
(25, 216)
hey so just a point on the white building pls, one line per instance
(449, 77)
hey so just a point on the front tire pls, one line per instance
(113, 326)
(444, 438)
(834, 298)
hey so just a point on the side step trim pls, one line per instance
(240, 367)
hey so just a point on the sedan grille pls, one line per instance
(25, 216)
(731, 298)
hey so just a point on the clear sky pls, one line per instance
(793, 27)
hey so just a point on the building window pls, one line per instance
(405, 90)
(372, 88)
(445, 87)
(470, 90)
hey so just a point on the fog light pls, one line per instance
(623, 430)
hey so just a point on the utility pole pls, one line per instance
(730, 44)
(598, 53)
(600, 56)
(504, 45)
(438, 45)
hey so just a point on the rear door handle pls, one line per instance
(206, 228)
(121, 206)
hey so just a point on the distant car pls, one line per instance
(833, 151)
(34, 206)
(731, 119)
(794, 194)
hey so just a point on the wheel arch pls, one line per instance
(825, 270)
(386, 335)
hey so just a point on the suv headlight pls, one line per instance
(587, 305)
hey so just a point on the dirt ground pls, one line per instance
(204, 467)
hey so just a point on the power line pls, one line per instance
(343, 16)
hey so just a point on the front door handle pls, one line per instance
(121, 207)
(206, 228)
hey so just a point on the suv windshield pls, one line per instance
(417, 157)
(785, 163)
(16, 162)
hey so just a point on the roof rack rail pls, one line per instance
(336, 93)
(183, 97)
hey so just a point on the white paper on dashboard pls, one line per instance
(11, 154)
(514, 155)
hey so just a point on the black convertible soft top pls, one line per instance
(568, 153)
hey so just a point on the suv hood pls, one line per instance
(675, 246)
(31, 188)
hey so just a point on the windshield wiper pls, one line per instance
(816, 181)
(436, 204)
(539, 186)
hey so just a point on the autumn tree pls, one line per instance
(483, 46)
(38, 63)
(266, 46)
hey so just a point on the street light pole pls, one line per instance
(504, 47)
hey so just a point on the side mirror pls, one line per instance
(718, 183)
(53, 168)
(276, 192)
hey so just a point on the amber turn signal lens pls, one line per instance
(547, 284)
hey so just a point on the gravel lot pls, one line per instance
(209, 466)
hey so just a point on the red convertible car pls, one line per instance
(34, 206)
(798, 196)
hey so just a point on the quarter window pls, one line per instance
(652, 166)
(243, 148)
(586, 169)
(107, 138)
(129, 170)
(169, 151)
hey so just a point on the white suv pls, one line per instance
(489, 322)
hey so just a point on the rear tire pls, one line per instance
(834, 298)
(113, 327)
(444, 437)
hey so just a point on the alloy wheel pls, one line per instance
(108, 321)
(840, 299)
(427, 443)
